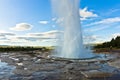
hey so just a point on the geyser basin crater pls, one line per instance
(80, 57)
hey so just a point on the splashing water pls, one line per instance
(72, 45)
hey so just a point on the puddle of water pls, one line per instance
(5, 70)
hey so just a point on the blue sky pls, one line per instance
(30, 22)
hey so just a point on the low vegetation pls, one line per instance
(114, 43)
(111, 46)
(20, 48)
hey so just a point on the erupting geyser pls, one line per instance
(68, 12)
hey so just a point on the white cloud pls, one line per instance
(7, 34)
(53, 32)
(50, 36)
(4, 35)
(43, 22)
(3, 31)
(106, 21)
(2, 38)
(98, 28)
(115, 35)
(4, 41)
(60, 20)
(21, 27)
(103, 24)
(54, 19)
(30, 39)
(47, 35)
(84, 13)
(16, 39)
(90, 38)
(94, 39)
(25, 38)
(83, 18)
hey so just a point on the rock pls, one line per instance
(43, 75)
(19, 64)
(38, 61)
(23, 72)
(28, 78)
(25, 59)
(115, 63)
(16, 77)
(39, 67)
(95, 74)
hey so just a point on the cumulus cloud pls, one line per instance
(106, 21)
(21, 27)
(43, 22)
(84, 13)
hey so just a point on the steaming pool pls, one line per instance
(86, 56)
(5, 70)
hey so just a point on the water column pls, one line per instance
(68, 10)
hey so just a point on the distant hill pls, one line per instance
(115, 42)
(4, 45)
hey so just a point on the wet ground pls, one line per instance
(36, 66)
